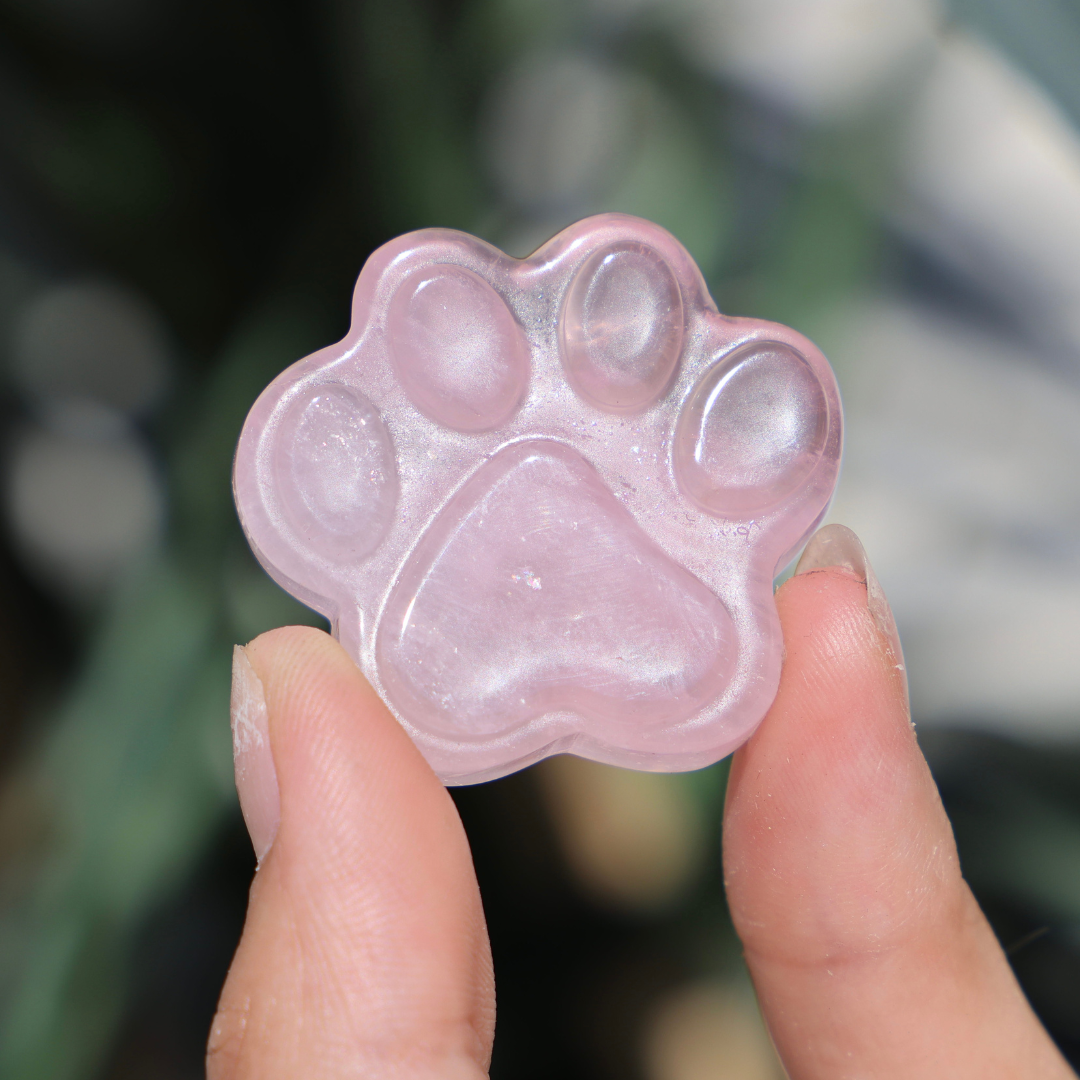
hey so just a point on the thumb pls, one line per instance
(364, 952)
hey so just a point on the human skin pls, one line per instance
(365, 953)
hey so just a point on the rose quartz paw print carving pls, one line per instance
(543, 501)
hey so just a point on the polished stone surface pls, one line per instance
(543, 501)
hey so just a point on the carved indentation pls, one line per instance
(621, 329)
(752, 431)
(336, 477)
(456, 348)
(534, 591)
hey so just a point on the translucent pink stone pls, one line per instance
(567, 605)
(336, 471)
(753, 430)
(622, 327)
(543, 501)
(458, 353)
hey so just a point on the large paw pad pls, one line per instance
(543, 501)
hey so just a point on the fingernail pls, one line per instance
(836, 546)
(253, 761)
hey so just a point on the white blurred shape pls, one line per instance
(568, 136)
(82, 509)
(709, 1031)
(824, 60)
(91, 340)
(559, 126)
(961, 478)
(990, 176)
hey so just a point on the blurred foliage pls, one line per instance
(130, 780)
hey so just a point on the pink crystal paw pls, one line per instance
(543, 501)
